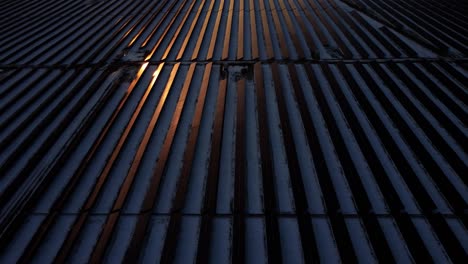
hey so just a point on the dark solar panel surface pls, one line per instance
(233, 131)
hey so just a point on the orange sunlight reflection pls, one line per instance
(155, 75)
(137, 77)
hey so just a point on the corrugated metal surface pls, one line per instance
(181, 131)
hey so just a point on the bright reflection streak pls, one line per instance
(137, 77)
(155, 75)
(149, 56)
(134, 38)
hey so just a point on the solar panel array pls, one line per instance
(233, 131)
